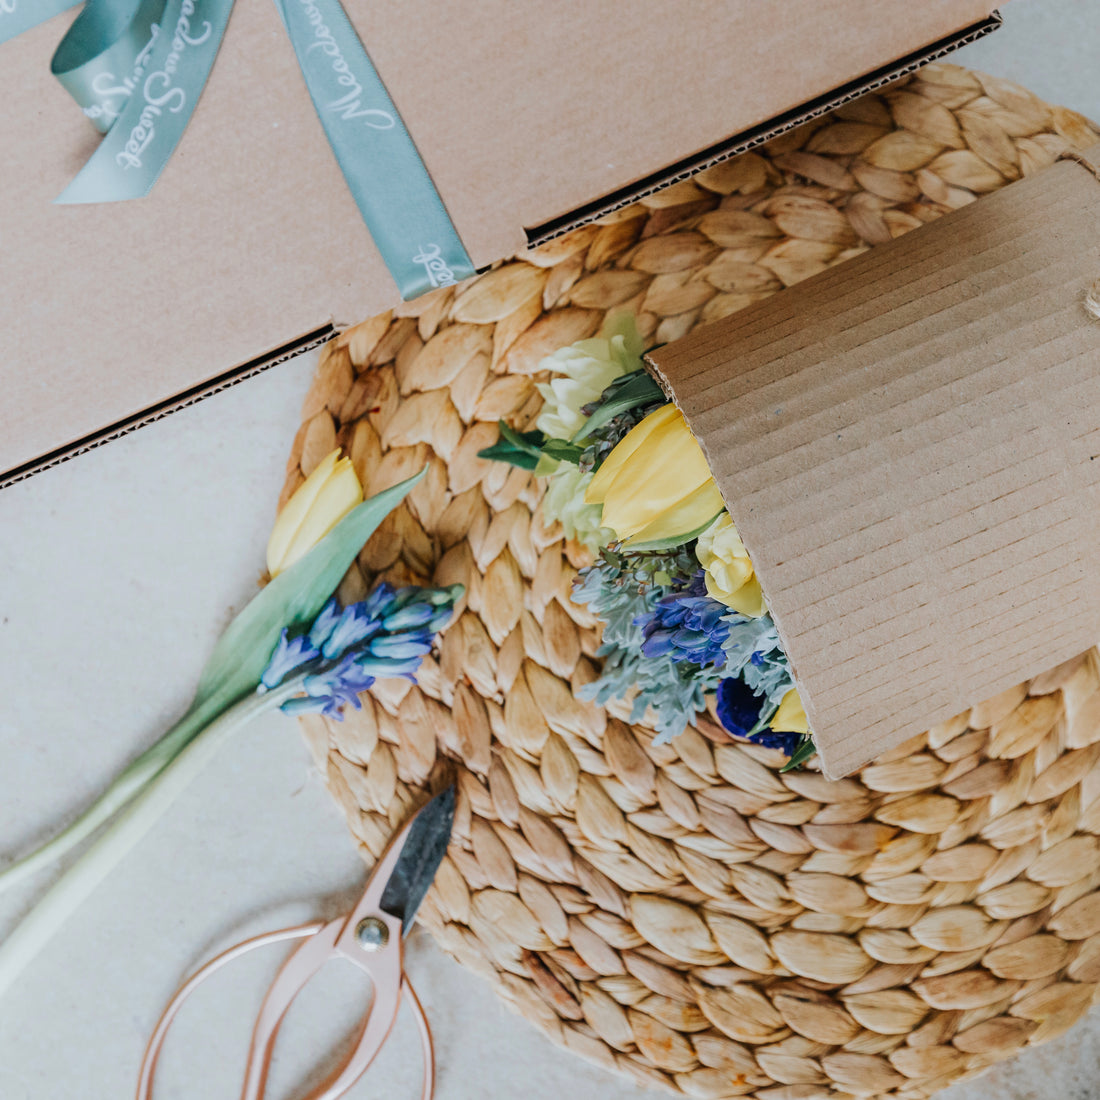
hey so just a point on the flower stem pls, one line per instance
(162, 785)
(126, 787)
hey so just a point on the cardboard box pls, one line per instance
(530, 119)
(909, 444)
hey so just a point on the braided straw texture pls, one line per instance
(685, 913)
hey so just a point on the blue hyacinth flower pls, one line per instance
(346, 649)
(687, 625)
(289, 656)
(409, 618)
(354, 625)
(400, 647)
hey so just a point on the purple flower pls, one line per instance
(687, 626)
(410, 617)
(290, 654)
(323, 624)
(354, 625)
(346, 649)
(401, 646)
(739, 709)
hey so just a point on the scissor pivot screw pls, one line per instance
(372, 934)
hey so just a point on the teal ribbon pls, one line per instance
(105, 54)
(383, 169)
(17, 16)
(138, 67)
(151, 122)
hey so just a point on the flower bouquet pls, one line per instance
(686, 628)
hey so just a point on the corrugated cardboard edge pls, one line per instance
(775, 341)
(651, 362)
(165, 408)
(649, 185)
(750, 139)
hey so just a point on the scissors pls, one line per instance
(370, 937)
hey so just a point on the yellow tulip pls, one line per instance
(656, 483)
(624, 449)
(791, 715)
(688, 515)
(314, 509)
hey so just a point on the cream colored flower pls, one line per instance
(314, 509)
(564, 501)
(728, 571)
(581, 372)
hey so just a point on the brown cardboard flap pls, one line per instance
(523, 113)
(762, 132)
(909, 444)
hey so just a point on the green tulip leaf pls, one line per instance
(806, 748)
(505, 452)
(561, 451)
(629, 391)
(522, 449)
(530, 442)
(293, 598)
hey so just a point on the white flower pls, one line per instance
(582, 371)
(564, 501)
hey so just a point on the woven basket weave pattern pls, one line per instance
(685, 913)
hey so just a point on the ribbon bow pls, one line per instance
(138, 67)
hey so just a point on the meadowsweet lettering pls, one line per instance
(439, 274)
(160, 91)
(104, 85)
(350, 106)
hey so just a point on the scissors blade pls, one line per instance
(421, 855)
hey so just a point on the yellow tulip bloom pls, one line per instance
(656, 483)
(688, 515)
(624, 449)
(791, 715)
(314, 509)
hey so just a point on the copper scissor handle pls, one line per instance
(371, 939)
(291, 979)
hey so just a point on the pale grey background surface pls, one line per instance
(117, 571)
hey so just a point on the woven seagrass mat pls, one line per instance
(685, 913)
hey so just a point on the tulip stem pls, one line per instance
(123, 790)
(143, 811)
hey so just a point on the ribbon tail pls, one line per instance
(133, 154)
(17, 16)
(380, 162)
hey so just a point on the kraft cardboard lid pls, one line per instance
(250, 239)
(909, 444)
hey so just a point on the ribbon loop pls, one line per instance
(146, 133)
(17, 16)
(138, 67)
(102, 58)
